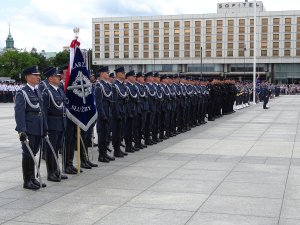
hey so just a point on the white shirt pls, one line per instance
(55, 87)
(31, 87)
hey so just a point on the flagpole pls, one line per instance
(78, 150)
(254, 55)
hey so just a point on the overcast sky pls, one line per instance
(48, 24)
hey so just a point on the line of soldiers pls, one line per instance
(8, 91)
(141, 109)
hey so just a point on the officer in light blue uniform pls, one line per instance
(30, 121)
(55, 112)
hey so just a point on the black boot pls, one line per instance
(32, 175)
(26, 176)
(102, 155)
(118, 153)
(51, 176)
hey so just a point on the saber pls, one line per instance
(41, 149)
(54, 154)
(63, 153)
(93, 144)
(26, 142)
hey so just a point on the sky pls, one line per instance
(48, 24)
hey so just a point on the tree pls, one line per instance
(61, 58)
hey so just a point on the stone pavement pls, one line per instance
(242, 169)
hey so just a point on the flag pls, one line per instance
(81, 108)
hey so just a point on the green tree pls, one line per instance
(61, 58)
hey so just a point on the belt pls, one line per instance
(34, 113)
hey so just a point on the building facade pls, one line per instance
(220, 44)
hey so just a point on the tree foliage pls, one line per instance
(12, 63)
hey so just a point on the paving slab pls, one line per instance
(241, 169)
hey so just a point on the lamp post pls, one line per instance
(254, 54)
(244, 63)
(201, 61)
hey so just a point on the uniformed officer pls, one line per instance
(103, 98)
(55, 113)
(30, 123)
(120, 97)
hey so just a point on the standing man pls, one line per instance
(103, 98)
(55, 112)
(30, 122)
(120, 97)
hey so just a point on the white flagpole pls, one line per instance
(254, 55)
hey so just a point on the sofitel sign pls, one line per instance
(236, 5)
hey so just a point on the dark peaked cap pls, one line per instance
(31, 70)
(120, 69)
(149, 74)
(130, 73)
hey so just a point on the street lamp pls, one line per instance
(244, 63)
(201, 60)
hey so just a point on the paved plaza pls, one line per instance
(242, 169)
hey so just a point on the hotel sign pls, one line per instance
(239, 6)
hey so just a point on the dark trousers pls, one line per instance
(128, 134)
(149, 124)
(70, 141)
(117, 127)
(34, 144)
(103, 133)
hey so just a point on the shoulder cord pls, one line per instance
(170, 91)
(149, 92)
(138, 90)
(133, 96)
(183, 90)
(120, 93)
(103, 91)
(53, 101)
(159, 95)
(175, 90)
(168, 94)
(29, 102)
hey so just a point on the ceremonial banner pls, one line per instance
(81, 108)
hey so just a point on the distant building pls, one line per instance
(10, 43)
(216, 44)
(48, 55)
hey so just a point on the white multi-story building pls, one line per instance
(220, 44)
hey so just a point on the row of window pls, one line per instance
(187, 53)
(230, 22)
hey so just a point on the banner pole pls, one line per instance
(78, 150)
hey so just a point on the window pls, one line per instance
(106, 33)
(186, 46)
(187, 54)
(126, 33)
(264, 21)
(230, 53)
(197, 46)
(297, 44)
(106, 26)
(146, 47)
(288, 20)
(106, 47)
(156, 54)
(275, 36)
(97, 55)
(264, 53)
(264, 37)
(176, 39)
(187, 38)
(146, 54)
(298, 19)
(126, 40)
(219, 53)
(230, 22)
(156, 39)
(176, 53)
(166, 54)
(208, 23)
(287, 28)
(219, 37)
(287, 52)
(126, 55)
(136, 26)
(136, 54)
(198, 31)
(264, 29)
(146, 32)
(136, 47)
(106, 55)
(264, 44)
(208, 45)
(230, 45)
(176, 46)
(186, 23)
(166, 24)
(298, 28)
(166, 31)
(146, 25)
(156, 46)
(186, 31)
(230, 37)
(197, 38)
(156, 32)
(297, 52)
(116, 40)
(146, 39)
(197, 54)
(241, 37)
(287, 44)
(242, 29)
(126, 25)
(275, 29)
(116, 26)
(208, 30)
(275, 44)
(97, 48)
(176, 24)
(241, 53)
(219, 22)
(241, 45)
(242, 22)
(219, 30)
(208, 38)
(116, 55)
(97, 26)
(97, 41)
(156, 24)
(166, 39)
(208, 53)
(166, 46)
(176, 31)
(126, 47)
(275, 53)
(106, 40)
(136, 32)
(197, 23)
(276, 21)
(230, 29)
(287, 36)
(97, 33)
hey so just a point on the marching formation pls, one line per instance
(136, 109)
